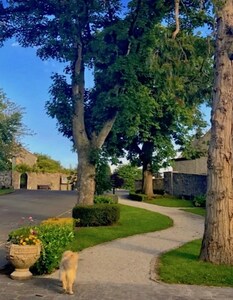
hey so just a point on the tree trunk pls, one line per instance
(147, 188)
(217, 244)
(82, 142)
(86, 178)
(147, 182)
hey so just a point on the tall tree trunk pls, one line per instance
(86, 178)
(83, 143)
(146, 156)
(217, 244)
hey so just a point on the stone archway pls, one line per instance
(23, 181)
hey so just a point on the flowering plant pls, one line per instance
(29, 237)
(24, 235)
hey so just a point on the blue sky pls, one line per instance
(26, 80)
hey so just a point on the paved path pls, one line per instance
(39, 204)
(124, 269)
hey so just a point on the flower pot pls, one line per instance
(22, 258)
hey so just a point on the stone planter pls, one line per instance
(22, 258)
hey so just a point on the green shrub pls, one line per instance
(199, 201)
(103, 177)
(55, 235)
(55, 240)
(59, 221)
(96, 215)
(110, 199)
(137, 197)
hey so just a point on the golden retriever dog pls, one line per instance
(68, 269)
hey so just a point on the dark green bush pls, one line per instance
(110, 199)
(199, 201)
(96, 215)
(137, 197)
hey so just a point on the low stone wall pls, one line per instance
(185, 185)
(158, 185)
(5, 179)
(191, 166)
(54, 180)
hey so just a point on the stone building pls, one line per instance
(32, 180)
(24, 157)
(189, 176)
(198, 165)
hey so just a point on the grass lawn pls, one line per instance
(132, 221)
(170, 202)
(182, 266)
(195, 210)
(6, 191)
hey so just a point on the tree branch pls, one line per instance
(98, 141)
(174, 34)
(132, 25)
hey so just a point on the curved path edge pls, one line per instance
(125, 268)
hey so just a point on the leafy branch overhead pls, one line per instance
(110, 40)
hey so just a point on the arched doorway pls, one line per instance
(23, 181)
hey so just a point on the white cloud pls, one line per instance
(15, 44)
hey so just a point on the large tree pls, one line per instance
(171, 78)
(72, 32)
(11, 130)
(217, 244)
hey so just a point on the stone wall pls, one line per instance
(24, 157)
(34, 179)
(5, 179)
(185, 185)
(191, 166)
(158, 185)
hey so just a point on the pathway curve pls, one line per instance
(122, 269)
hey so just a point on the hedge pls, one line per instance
(96, 215)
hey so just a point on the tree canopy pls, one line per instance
(103, 36)
(172, 78)
(11, 130)
(128, 174)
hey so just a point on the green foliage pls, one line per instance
(137, 66)
(137, 197)
(200, 201)
(46, 164)
(182, 266)
(170, 80)
(117, 181)
(4, 191)
(196, 210)
(110, 199)
(96, 215)
(11, 130)
(103, 177)
(23, 168)
(55, 240)
(24, 236)
(170, 201)
(129, 174)
(132, 221)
